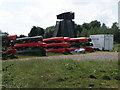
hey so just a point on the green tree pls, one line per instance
(103, 29)
(95, 23)
(86, 26)
(78, 29)
(49, 31)
(116, 32)
(40, 31)
(84, 33)
(36, 31)
(21, 36)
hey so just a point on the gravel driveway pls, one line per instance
(89, 56)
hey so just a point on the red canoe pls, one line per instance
(88, 49)
(12, 51)
(80, 39)
(54, 39)
(66, 39)
(12, 37)
(58, 44)
(31, 45)
(63, 50)
(72, 49)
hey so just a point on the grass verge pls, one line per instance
(117, 47)
(60, 74)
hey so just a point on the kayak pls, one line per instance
(58, 44)
(63, 50)
(80, 39)
(28, 39)
(54, 39)
(31, 45)
(12, 37)
(33, 52)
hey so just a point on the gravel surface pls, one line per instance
(98, 56)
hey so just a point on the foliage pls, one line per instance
(62, 73)
(95, 27)
(21, 36)
(78, 29)
(94, 24)
(86, 29)
(36, 31)
(117, 47)
(49, 31)
(116, 32)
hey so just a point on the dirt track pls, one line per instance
(89, 56)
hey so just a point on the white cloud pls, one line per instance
(106, 16)
(1, 1)
(5, 17)
(18, 16)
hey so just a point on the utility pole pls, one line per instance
(119, 14)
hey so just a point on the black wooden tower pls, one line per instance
(65, 27)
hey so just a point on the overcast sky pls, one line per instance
(18, 16)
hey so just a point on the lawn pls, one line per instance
(60, 74)
(117, 47)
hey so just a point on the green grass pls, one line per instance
(60, 74)
(20, 56)
(57, 54)
(117, 47)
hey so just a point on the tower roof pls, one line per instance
(66, 15)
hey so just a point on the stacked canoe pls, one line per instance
(66, 44)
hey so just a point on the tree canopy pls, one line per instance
(36, 31)
(49, 31)
(86, 29)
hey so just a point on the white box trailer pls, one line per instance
(102, 41)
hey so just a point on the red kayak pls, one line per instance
(12, 51)
(63, 50)
(88, 49)
(58, 44)
(66, 39)
(80, 39)
(72, 49)
(31, 45)
(54, 39)
(12, 37)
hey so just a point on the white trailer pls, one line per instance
(102, 41)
